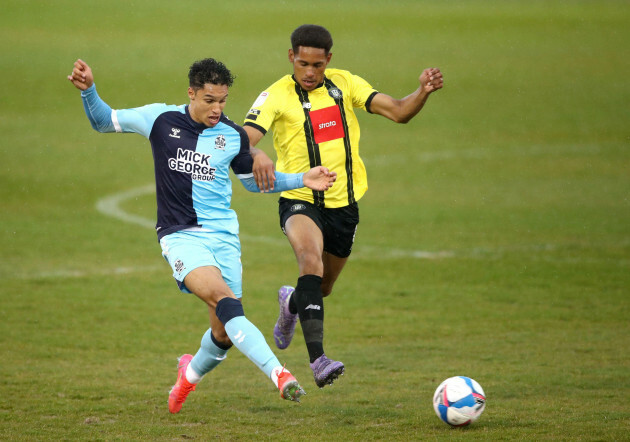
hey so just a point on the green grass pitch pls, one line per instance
(494, 239)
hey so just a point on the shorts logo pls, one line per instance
(298, 207)
(327, 124)
(335, 93)
(219, 142)
(179, 266)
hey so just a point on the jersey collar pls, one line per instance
(198, 126)
(317, 87)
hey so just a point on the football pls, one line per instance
(459, 401)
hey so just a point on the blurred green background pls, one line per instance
(494, 240)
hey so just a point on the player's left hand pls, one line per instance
(319, 178)
(431, 80)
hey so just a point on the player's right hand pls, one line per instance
(263, 169)
(319, 178)
(81, 76)
(431, 80)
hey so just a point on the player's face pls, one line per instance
(309, 65)
(206, 104)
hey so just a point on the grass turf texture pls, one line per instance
(514, 179)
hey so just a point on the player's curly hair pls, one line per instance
(313, 36)
(211, 71)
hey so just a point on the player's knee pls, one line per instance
(310, 263)
(212, 295)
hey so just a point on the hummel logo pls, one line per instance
(175, 133)
(313, 307)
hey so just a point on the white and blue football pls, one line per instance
(459, 401)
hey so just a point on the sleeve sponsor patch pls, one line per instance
(261, 99)
(252, 114)
(327, 125)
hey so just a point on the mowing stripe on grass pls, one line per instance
(52, 274)
(110, 206)
(483, 153)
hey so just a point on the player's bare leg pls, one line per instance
(230, 326)
(333, 265)
(307, 301)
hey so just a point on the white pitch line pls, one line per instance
(98, 272)
(110, 206)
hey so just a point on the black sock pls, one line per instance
(309, 305)
(292, 306)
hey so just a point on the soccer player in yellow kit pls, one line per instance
(311, 115)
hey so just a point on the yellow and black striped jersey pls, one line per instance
(315, 128)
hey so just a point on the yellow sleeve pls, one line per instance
(263, 111)
(362, 92)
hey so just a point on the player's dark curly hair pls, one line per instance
(313, 36)
(209, 70)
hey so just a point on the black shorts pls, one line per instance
(338, 225)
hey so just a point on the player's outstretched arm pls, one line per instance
(403, 110)
(98, 112)
(319, 178)
(81, 75)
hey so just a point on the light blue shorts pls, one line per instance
(188, 249)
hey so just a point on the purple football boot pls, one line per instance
(325, 370)
(285, 326)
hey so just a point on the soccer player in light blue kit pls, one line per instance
(193, 147)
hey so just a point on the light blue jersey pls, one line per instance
(191, 160)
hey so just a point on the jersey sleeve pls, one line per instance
(98, 112)
(263, 111)
(243, 162)
(105, 119)
(137, 120)
(283, 182)
(362, 93)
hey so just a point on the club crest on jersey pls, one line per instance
(335, 93)
(175, 132)
(219, 142)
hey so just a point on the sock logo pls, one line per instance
(313, 307)
(240, 337)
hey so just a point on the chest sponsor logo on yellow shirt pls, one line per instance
(327, 124)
